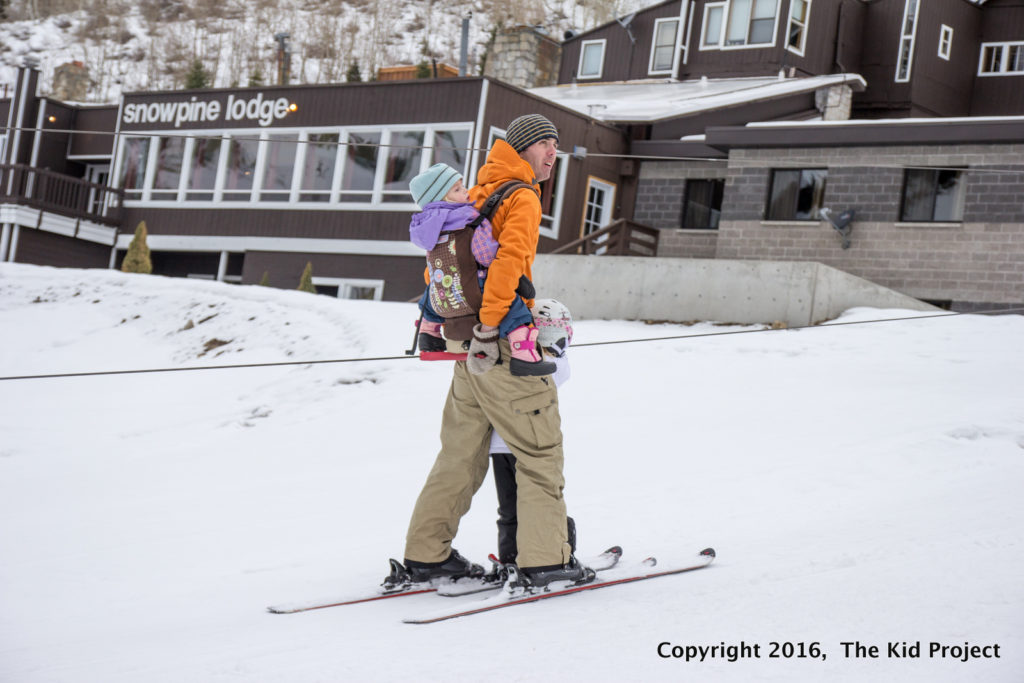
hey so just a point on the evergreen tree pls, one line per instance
(306, 282)
(423, 70)
(256, 78)
(137, 260)
(265, 280)
(354, 75)
(197, 76)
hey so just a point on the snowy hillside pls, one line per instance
(132, 46)
(859, 482)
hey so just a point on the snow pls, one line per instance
(859, 482)
(649, 100)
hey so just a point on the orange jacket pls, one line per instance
(516, 227)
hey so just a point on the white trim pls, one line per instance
(34, 157)
(5, 240)
(675, 45)
(216, 243)
(477, 132)
(18, 124)
(583, 51)
(910, 39)
(803, 36)
(945, 38)
(345, 283)
(689, 34)
(555, 218)
(86, 158)
(48, 221)
(607, 207)
(727, 7)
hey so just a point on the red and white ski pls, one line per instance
(516, 596)
(603, 562)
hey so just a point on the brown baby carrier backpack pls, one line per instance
(454, 288)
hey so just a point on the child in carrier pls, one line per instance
(446, 208)
(555, 334)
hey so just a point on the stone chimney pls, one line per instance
(834, 102)
(71, 82)
(524, 56)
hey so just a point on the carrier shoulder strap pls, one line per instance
(495, 199)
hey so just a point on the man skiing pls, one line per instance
(523, 410)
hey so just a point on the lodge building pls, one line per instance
(883, 138)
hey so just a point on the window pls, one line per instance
(134, 158)
(170, 151)
(663, 49)
(945, 42)
(404, 155)
(739, 23)
(796, 194)
(279, 167)
(796, 35)
(933, 195)
(202, 177)
(318, 167)
(906, 50)
(711, 32)
(702, 204)
(591, 59)
(241, 167)
(360, 167)
(1001, 58)
(365, 168)
(349, 288)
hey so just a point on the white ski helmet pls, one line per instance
(554, 324)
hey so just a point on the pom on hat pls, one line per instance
(433, 184)
(528, 129)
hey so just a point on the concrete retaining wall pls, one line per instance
(680, 290)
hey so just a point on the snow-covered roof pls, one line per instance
(649, 100)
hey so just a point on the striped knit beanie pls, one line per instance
(528, 129)
(433, 184)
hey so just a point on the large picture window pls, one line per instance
(167, 178)
(133, 166)
(365, 168)
(796, 195)
(403, 160)
(702, 204)
(933, 195)
(318, 169)
(202, 177)
(241, 168)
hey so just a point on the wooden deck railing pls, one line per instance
(44, 189)
(620, 238)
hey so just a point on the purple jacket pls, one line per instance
(438, 217)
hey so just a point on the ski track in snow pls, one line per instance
(859, 482)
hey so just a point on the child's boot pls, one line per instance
(430, 337)
(526, 361)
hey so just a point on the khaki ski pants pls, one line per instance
(524, 411)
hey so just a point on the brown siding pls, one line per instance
(622, 60)
(881, 36)
(94, 128)
(42, 248)
(268, 222)
(1002, 20)
(403, 275)
(941, 87)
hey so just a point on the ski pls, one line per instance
(516, 596)
(603, 562)
(380, 593)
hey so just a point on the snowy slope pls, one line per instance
(860, 483)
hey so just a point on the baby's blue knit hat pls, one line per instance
(433, 184)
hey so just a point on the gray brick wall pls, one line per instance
(975, 264)
(659, 204)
